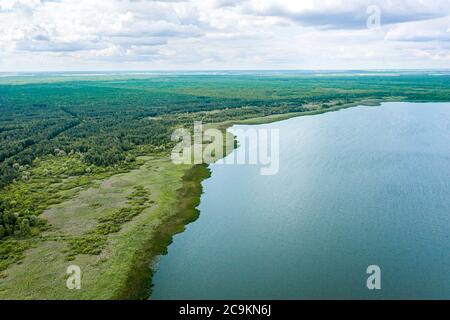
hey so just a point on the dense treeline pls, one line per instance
(104, 120)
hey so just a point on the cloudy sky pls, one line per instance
(38, 35)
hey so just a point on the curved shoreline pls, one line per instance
(201, 271)
(139, 283)
(190, 197)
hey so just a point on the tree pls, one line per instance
(25, 227)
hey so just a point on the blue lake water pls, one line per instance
(358, 187)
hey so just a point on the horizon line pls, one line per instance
(227, 70)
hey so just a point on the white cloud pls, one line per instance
(216, 34)
(422, 31)
(347, 14)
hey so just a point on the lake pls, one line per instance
(357, 187)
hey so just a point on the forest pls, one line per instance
(102, 124)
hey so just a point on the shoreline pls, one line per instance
(126, 267)
(258, 121)
(197, 184)
(139, 282)
(191, 192)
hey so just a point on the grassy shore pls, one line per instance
(285, 116)
(117, 264)
(112, 273)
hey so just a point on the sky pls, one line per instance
(86, 35)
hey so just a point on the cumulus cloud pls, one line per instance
(190, 34)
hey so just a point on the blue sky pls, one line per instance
(50, 35)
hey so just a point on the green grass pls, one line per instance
(50, 181)
(107, 259)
